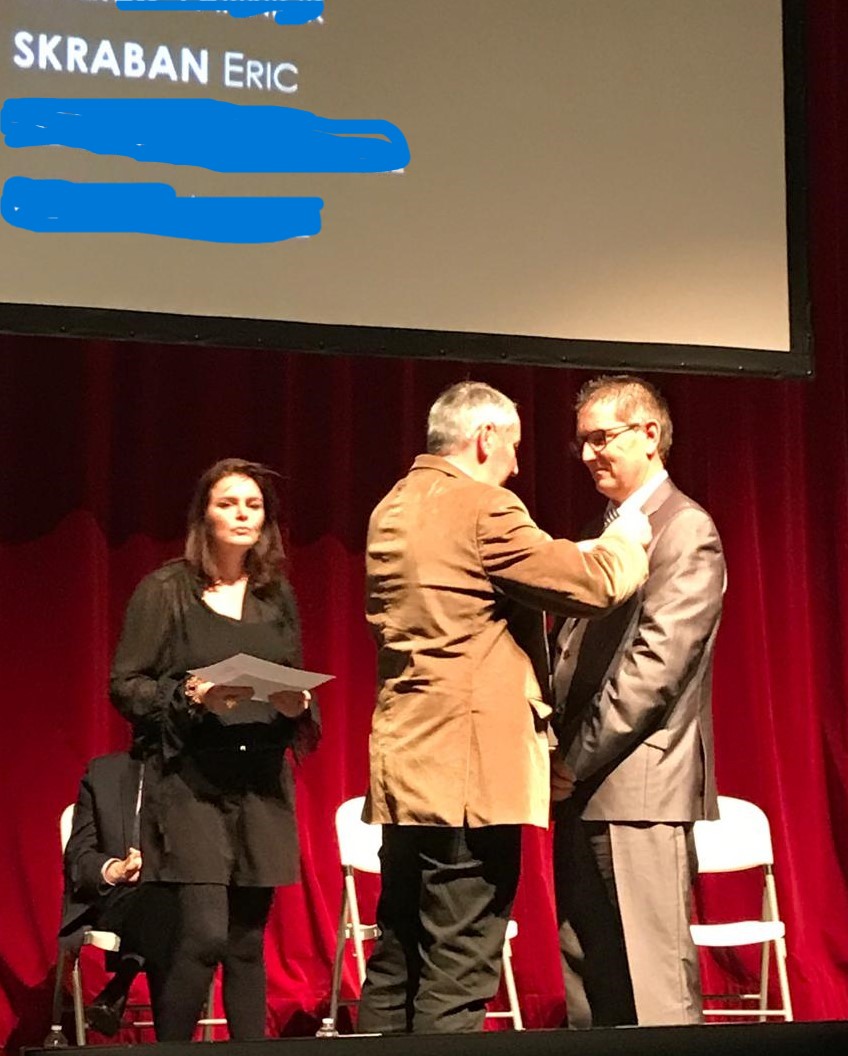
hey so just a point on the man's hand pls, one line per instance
(630, 524)
(290, 702)
(562, 779)
(124, 870)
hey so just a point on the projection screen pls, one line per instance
(573, 182)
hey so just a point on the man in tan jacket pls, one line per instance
(458, 749)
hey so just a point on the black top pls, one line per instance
(218, 802)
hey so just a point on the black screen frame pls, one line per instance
(211, 331)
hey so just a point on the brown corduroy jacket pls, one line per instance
(458, 576)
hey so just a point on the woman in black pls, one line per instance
(217, 817)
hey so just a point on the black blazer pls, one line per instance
(104, 817)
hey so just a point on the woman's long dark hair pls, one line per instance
(264, 560)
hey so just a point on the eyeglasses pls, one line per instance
(599, 438)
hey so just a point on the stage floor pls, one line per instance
(726, 1039)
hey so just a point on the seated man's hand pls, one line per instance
(562, 779)
(124, 870)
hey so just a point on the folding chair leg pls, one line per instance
(355, 925)
(338, 959)
(770, 897)
(512, 992)
(79, 1010)
(765, 961)
(56, 1038)
(209, 1011)
(783, 979)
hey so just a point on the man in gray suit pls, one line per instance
(634, 767)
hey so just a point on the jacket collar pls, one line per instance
(440, 464)
(658, 497)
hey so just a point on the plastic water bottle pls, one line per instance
(327, 1028)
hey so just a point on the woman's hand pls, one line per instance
(221, 699)
(290, 702)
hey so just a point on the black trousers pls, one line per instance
(145, 916)
(215, 924)
(444, 905)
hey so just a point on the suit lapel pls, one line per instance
(603, 637)
(590, 531)
(657, 511)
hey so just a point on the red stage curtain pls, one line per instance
(99, 447)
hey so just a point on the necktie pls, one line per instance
(136, 829)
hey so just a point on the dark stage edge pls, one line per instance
(752, 1039)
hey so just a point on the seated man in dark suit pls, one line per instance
(102, 870)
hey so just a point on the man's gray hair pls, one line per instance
(460, 411)
(634, 398)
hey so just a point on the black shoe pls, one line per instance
(105, 1018)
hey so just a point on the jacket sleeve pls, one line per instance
(141, 688)
(83, 861)
(553, 574)
(680, 611)
(304, 732)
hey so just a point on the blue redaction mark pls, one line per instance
(60, 206)
(223, 137)
(288, 12)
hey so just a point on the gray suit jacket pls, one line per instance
(635, 723)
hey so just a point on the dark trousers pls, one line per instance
(444, 905)
(215, 924)
(623, 893)
(598, 990)
(144, 916)
(132, 911)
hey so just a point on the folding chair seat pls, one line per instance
(359, 850)
(740, 840)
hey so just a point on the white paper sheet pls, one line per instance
(264, 677)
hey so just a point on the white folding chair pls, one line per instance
(359, 850)
(739, 840)
(109, 942)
